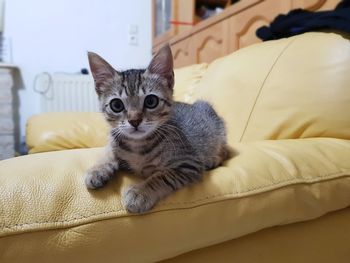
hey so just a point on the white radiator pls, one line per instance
(66, 92)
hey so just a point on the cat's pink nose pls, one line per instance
(135, 123)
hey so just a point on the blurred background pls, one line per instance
(43, 46)
(54, 36)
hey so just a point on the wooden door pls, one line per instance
(314, 5)
(181, 53)
(242, 27)
(210, 43)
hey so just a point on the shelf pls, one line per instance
(213, 3)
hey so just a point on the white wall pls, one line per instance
(54, 35)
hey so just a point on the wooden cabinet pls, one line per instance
(244, 25)
(182, 53)
(210, 43)
(172, 17)
(315, 5)
(205, 46)
(232, 29)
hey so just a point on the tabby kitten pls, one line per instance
(169, 144)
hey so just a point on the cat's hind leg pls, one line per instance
(223, 154)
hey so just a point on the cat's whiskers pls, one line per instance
(116, 134)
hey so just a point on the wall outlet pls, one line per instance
(133, 35)
(133, 40)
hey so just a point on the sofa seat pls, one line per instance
(48, 213)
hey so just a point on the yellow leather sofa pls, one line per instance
(284, 197)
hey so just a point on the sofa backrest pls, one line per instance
(292, 88)
(297, 87)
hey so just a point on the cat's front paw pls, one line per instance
(96, 178)
(137, 200)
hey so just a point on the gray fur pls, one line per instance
(174, 142)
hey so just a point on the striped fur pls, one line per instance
(174, 142)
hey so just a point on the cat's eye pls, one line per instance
(151, 101)
(116, 105)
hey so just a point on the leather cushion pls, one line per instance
(66, 130)
(290, 88)
(47, 212)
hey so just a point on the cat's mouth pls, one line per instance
(136, 133)
(139, 132)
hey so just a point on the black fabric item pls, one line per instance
(300, 21)
(343, 4)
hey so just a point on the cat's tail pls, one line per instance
(227, 152)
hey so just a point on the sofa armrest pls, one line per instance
(43, 199)
(66, 130)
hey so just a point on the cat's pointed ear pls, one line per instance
(162, 64)
(102, 72)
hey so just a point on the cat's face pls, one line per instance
(135, 102)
